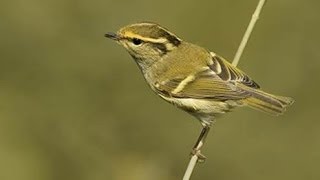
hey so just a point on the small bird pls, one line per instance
(192, 78)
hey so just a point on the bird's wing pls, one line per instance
(217, 81)
(229, 73)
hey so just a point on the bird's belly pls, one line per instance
(205, 110)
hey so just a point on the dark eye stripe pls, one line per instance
(162, 47)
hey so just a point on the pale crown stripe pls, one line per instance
(213, 54)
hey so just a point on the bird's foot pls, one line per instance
(201, 157)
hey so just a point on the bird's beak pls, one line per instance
(112, 36)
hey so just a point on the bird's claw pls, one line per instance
(197, 152)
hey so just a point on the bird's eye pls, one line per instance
(136, 41)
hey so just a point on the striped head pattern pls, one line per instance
(146, 41)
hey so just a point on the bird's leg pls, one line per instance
(201, 139)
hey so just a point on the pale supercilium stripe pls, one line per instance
(133, 35)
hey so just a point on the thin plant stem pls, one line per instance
(196, 151)
(192, 163)
(254, 19)
(197, 156)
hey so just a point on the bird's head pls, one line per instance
(146, 42)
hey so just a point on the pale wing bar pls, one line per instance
(203, 85)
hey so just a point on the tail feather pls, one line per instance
(268, 103)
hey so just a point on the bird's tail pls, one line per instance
(268, 103)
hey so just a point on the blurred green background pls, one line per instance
(74, 106)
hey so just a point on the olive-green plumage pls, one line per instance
(190, 77)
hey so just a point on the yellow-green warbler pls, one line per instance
(192, 78)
